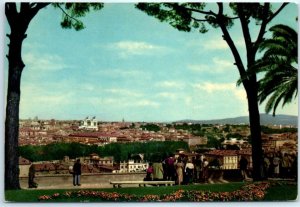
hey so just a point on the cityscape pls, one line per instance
(230, 140)
(191, 101)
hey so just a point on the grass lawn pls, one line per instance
(282, 193)
(279, 192)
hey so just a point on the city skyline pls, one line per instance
(127, 65)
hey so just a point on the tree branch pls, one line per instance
(277, 12)
(10, 11)
(246, 32)
(24, 7)
(263, 26)
(201, 12)
(35, 7)
(266, 20)
(205, 20)
(67, 13)
(228, 39)
(199, 20)
(232, 17)
(38, 6)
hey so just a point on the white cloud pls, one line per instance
(147, 103)
(199, 68)
(123, 92)
(32, 46)
(129, 48)
(170, 84)
(44, 62)
(43, 94)
(36, 100)
(167, 95)
(239, 93)
(88, 87)
(124, 73)
(217, 65)
(217, 43)
(126, 102)
(188, 100)
(218, 62)
(213, 87)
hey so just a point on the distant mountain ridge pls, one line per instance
(265, 119)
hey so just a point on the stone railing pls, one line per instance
(96, 180)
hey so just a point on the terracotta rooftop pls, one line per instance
(91, 134)
(223, 152)
(229, 152)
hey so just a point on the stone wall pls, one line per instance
(24, 170)
(99, 180)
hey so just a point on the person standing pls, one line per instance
(205, 170)
(266, 166)
(170, 168)
(149, 172)
(76, 173)
(243, 167)
(286, 166)
(189, 169)
(294, 167)
(31, 176)
(158, 171)
(179, 170)
(276, 163)
(198, 165)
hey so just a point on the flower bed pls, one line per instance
(249, 192)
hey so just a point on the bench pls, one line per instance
(142, 183)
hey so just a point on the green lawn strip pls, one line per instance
(278, 192)
(29, 195)
(33, 195)
(282, 192)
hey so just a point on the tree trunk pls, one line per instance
(255, 129)
(15, 67)
(18, 22)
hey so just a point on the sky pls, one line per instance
(127, 65)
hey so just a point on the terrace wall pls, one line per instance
(97, 180)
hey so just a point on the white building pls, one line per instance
(89, 124)
(132, 166)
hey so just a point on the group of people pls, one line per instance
(182, 170)
(280, 165)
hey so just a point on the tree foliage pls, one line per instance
(150, 127)
(183, 16)
(71, 12)
(120, 151)
(279, 62)
(268, 130)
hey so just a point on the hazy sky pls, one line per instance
(126, 64)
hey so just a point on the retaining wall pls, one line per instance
(99, 180)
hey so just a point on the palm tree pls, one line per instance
(279, 62)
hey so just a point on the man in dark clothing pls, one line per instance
(197, 163)
(171, 168)
(31, 176)
(243, 167)
(76, 173)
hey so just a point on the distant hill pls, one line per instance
(265, 119)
